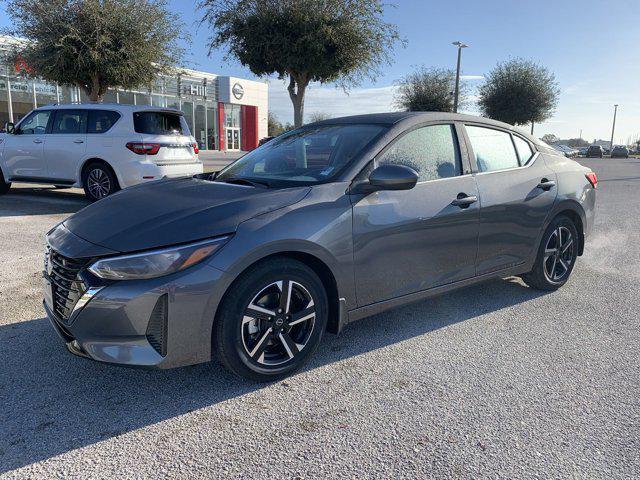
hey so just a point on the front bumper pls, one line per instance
(114, 325)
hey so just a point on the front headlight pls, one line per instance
(155, 263)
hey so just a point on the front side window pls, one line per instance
(101, 121)
(303, 157)
(524, 150)
(35, 124)
(69, 121)
(493, 149)
(431, 151)
(160, 123)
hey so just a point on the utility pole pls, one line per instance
(456, 94)
(613, 128)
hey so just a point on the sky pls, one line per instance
(592, 47)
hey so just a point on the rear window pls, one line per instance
(160, 123)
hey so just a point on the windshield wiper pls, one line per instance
(245, 181)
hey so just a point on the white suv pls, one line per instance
(99, 147)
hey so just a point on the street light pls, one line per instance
(613, 128)
(456, 95)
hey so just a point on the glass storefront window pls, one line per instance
(200, 131)
(212, 115)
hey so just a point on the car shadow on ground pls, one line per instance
(41, 201)
(53, 402)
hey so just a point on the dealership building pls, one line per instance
(223, 113)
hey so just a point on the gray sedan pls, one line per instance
(321, 226)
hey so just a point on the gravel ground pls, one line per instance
(492, 381)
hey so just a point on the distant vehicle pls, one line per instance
(566, 150)
(99, 147)
(265, 140)
(620, 151)
(323, 225)
(583, 151)
(595, 151)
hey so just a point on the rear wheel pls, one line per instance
(271, 321)
(556, 257)
(99, 181)
(4, 186)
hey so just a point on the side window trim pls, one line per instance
(531, 147)
(392, 142)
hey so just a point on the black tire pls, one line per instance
(261, 347)
(552, 270)
(4, 186)
(99, 181)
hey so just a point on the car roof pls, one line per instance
(109, 106)
(410, 118)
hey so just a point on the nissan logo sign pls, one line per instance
(238, 91)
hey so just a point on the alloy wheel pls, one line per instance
(558, 254)
(98, 183)
(278, 322)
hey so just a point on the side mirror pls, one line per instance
(392, 177)
(10, 127)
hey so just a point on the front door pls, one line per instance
(517, 191)
(408, 241)
(66, 143)
(233, 138)
(23, 151)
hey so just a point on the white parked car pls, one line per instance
(99, 147)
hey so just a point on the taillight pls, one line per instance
(142, 148)
(196, 150)
(593, 179)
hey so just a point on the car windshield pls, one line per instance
(306, 156)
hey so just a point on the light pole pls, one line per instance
(456, 94)
(613, 128)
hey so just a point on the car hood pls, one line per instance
(170, 212)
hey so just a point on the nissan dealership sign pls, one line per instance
(237, 91)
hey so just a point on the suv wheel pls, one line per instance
(271, 321)
(99, 181)
(556, 257)
(4, 186)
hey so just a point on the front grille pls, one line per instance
(157, 328)
(67, 287)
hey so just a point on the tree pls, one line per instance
(303, 41)
(97, 44)
(274, 127)
(550, 138)
(519, 92)
(319, 116)
(429, 90)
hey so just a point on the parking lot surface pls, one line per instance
(492, 381)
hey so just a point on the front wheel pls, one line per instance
(271, 320)
(556, 257)
(99, 181)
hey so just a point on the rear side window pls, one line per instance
(101, 121)
(69, 121)
(160, 123)
(493, 149)
(524, 150)
(431, 151)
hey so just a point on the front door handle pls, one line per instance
(546, 184)
(78, 141)
(37, 140)
(463, 200)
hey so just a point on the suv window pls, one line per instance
(524, 150)
(35, 123)
(431, 151)
(101, 121)
(69, 121)
(160, 123)
(493, 149)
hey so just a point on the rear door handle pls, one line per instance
(463, 200)
(546, 184)
(37, 140)
(78, 141)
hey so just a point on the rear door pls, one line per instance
(66, 143)
(413, 240)
(24, 150)
(517, 191)
(169, 130)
